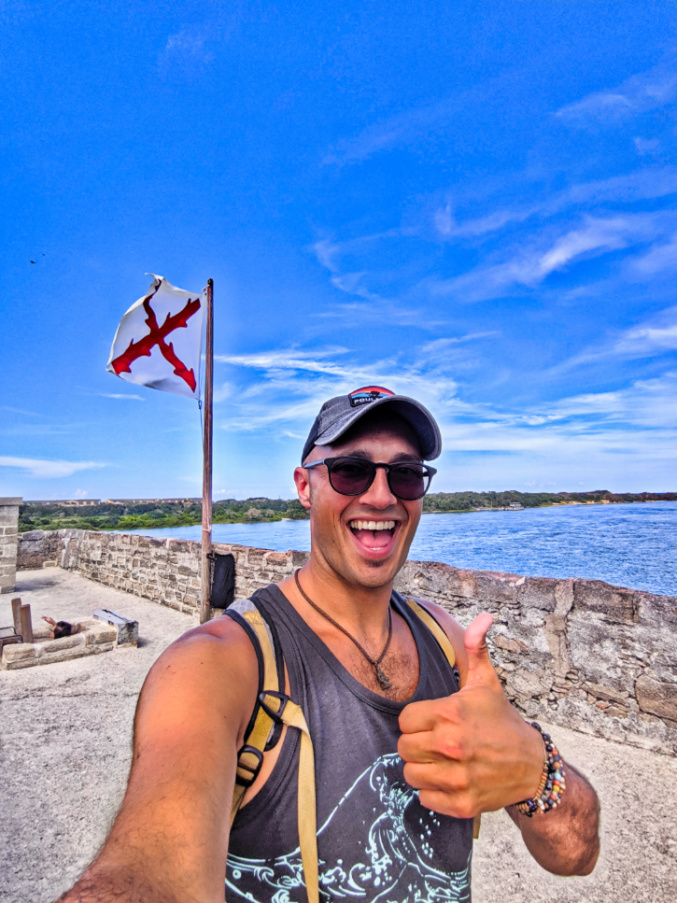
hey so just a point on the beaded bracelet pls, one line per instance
(552, 785)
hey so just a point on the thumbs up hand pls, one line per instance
(470, 752)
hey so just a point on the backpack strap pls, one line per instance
(274, 708)
(282, 708)
(434, 627)
(261, 724)
(445, 645)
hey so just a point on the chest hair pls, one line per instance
(399, 666)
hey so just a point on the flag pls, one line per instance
(159, 340)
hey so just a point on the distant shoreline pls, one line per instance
(135, 514)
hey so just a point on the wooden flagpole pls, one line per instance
(205, 573)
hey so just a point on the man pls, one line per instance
(407, 750)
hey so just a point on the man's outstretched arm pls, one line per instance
(564, 840)
(473, 752)
(169, 841)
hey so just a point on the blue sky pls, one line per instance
(474, 203)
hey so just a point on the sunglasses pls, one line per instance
(408, 481)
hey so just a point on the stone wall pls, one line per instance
(9, 529)
(581, 653)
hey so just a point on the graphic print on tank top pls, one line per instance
(375, 841)
(392, 854)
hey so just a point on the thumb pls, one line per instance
(480, 669)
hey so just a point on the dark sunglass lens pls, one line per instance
(408, 481)
(350, 477)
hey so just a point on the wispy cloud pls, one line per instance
(595, 436)
(392, 131)
(291, 359)
(650, 182)
(652, 337)
(528, 267)
(369, 305)
(646, 403)
(644, 91)
(18, 411)
(185, 53)
(122, 396)
(646, 146)
(661, 258)
(291, 385)
(642, 184)
(329, 254)
(49, 469)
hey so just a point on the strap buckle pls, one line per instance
(274, 714)
(251, 771)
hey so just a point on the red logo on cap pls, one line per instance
(367, 394)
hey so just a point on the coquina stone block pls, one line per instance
(9, 536)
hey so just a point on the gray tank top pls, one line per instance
(375, 840)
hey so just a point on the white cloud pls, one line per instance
(393, 131)
(530, 266)
(622, 435)
(647, 403)
(441, 346)
(289, 359)
(295, 383)
(449, 228)
(120, 395)
(185, 53)
(18, 411)
(639, 93)
(645, 146)
(661, 258)
(623, 440)
(222, 392)
(643, 184)
(371, 307)
(48, 469)
(650, 338)
(444, 220)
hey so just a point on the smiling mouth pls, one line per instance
(374, 535)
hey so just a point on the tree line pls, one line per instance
(159, 513)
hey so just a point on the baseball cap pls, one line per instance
(339, 414)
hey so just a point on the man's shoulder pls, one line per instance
(222, 642)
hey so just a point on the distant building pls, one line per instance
(70, 503)
(151, 501)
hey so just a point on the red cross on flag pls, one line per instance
(159, 340)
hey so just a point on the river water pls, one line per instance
(631, 545)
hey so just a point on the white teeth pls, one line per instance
(373, 525)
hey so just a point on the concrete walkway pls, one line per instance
(65, 752)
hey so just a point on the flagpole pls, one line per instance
(205, 571)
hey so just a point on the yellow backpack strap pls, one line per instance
(250, 756)
(291, 714)
(277, 708)
(443, 640)
(445, 644)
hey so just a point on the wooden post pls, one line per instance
(16, 614)
(26, 624)
(205, 570)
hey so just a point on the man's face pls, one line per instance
(363, 539)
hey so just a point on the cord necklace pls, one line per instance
(384, 682)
